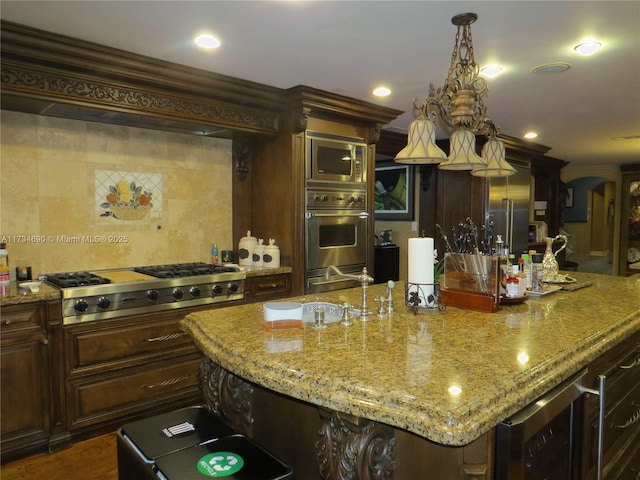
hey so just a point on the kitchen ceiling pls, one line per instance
(351, 47)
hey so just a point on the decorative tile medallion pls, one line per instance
(128, 196)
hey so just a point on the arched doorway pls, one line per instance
(589, 219)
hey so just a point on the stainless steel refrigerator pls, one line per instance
(509, 204)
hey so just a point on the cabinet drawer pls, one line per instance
(20, 317)
(100, 398)
(270, 286)
(98, 345)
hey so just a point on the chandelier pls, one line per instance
(458, 103)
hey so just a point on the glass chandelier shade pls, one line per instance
(493, 153)
(421, 144)
(463, 154)
(459, 105)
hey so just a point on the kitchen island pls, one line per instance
(403, 393)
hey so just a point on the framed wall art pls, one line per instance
(394, 196)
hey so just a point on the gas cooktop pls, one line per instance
(184, 270)
(104, 294)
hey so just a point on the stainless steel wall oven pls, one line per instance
(336, 234)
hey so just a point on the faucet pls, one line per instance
(364, 280)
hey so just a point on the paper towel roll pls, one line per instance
(420, 268)
(420, 264)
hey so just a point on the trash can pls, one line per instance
(233, 458)
(141, 443)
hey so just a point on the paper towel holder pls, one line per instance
(413, 292)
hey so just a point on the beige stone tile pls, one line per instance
(147, 147)
(62, 139)
(58, 177)
(108, 144)
(18, 132)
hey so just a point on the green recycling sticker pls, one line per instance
(220, 464)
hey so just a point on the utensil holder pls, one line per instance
(422, 297)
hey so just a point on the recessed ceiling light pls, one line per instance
(207, 41)
(557, 67)
(382, 92)
(491, 71)
(588, 48)
(530, 135)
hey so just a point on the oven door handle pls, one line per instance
(330, 281)
(309, 215)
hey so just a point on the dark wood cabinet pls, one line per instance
(386, 263)
(26, 393)
(269, 193)
(119, 369)
(267, 287)
(621, 446)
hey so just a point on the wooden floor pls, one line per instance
(93, 459)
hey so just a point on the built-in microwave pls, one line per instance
(334, 158)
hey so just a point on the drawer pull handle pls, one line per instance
(167, 383)
(635, 363)
(166, 338)
(630, 421)
(7, 322)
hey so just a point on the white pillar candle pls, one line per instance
(420, 268)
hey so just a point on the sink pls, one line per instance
(332, 312)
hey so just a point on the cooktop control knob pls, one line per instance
(103, 303)
(232, 287)
(80, 306)
(152, 295)
(194, 291)
(216, 290)
(177, 294)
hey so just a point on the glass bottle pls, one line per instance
(536, 272)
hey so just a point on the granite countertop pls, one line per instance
(261, 271)
(400, 369)
(14, 295)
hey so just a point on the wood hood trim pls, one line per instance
(52, 74)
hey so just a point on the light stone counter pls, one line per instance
(401, 370)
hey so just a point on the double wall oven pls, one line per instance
(336, 216)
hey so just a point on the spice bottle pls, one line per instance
(513, 286)
(4, 264)
(536, 272)
(214, 255)
(522, 278)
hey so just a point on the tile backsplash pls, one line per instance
(56, 175)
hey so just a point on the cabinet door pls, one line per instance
(24, 414)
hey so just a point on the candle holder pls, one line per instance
(423, 297)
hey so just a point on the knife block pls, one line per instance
(471, 281)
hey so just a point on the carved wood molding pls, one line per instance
(107, 95)
(351, 447)
(227, 395)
